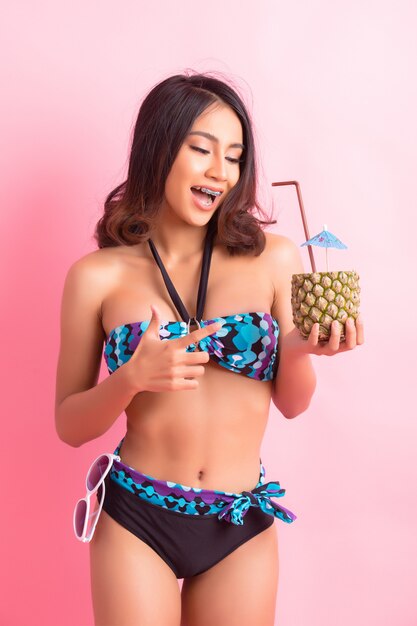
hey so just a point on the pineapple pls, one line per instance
(324, 297)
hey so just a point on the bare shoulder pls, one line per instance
(96, 271)
(283, 259)
(97, 261)
(282, 254)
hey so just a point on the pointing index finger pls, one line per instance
(197, 335)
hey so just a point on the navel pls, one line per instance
(201, 475)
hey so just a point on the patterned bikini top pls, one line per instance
(247, 343)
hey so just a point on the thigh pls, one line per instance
(240, 590)
(130, 584)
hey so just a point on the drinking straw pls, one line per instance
(303, 217)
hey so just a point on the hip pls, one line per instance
(195, 501)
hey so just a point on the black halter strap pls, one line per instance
(202, 288)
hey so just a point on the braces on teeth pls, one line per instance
(208, 191)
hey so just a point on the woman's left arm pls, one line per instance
(295, 382)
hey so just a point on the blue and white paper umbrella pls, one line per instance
(325, 239)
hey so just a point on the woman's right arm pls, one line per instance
(85, 410)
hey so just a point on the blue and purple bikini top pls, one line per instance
(247, 343)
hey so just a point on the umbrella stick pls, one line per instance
(303, 217)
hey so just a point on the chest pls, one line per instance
(235, 284)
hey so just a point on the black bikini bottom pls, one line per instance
(189, 544)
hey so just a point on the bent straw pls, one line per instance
(303, 217)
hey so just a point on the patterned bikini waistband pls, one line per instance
(228, 506)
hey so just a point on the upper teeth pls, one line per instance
(210, 191)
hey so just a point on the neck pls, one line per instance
(177, 241)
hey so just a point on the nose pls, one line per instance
(217, 168)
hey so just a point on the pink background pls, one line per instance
(333, 93)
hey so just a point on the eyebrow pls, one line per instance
(213, 138)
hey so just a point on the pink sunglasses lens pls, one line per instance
(97, 471)
(80, 514)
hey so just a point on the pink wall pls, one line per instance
(333, 93)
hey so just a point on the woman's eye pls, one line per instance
(199, 149)
(203, 151)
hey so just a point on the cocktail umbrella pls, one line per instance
(325, 239)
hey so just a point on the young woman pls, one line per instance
(192, 300)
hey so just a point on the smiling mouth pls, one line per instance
(206, 196)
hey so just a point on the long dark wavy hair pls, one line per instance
(165, 118)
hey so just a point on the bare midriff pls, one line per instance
(209, 437)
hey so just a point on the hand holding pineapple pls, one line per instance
(325, 305)
(325, 314)
(327, 302)
(354, 336)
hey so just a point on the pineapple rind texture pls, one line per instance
(324, 297)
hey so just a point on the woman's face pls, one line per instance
(208, 159)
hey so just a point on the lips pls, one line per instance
(216, 191)
(206, 193)
(205, 200)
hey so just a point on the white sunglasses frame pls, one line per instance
(84, 538)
